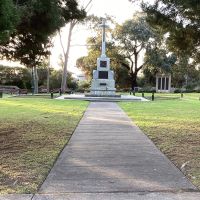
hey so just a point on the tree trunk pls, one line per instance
(35, 80)
(64, 75)
(48, 81)
(48, 77)
(134, 80)
(134, 74)
(71, 27)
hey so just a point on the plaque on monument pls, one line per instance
(103, 74)
(103, 64)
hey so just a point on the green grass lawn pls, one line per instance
(33, 131)
(174, 126)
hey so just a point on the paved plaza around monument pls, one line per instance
(109, 158)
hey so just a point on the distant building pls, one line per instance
(81, 77)
(163, 82)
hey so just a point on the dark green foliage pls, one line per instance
(158, 59)
(70, 10)
(185, 74)
(38, 21)
(22, 77)
(56, 77)
(83, 86)
(8, 19)
(181, 19)
(15, 76)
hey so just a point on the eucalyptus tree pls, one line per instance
(133, 38)
(72, 24)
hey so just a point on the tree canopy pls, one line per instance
(39, 19)
(8, 20)
(21, 77)
(181, 20)
(132, 38)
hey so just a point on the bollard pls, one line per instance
(1, 94)
(51, 95)
(60, 92)
(32, 90)
(134, 93)
(181, 95)
(143, 94)
(152, 97)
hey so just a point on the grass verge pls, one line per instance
(174, 126)
(32, 134)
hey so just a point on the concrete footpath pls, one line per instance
(108, 157)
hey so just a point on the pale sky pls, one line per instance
(120, 9)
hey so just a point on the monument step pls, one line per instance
(110, 98)
(96, 95)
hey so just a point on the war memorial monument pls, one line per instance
(103, 83)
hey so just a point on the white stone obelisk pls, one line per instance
(103, 49)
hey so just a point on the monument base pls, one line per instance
(103, 88)
(101, 92)
(101, 95)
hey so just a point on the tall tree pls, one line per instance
(133, 37)
(39, 20)
(72, 24)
